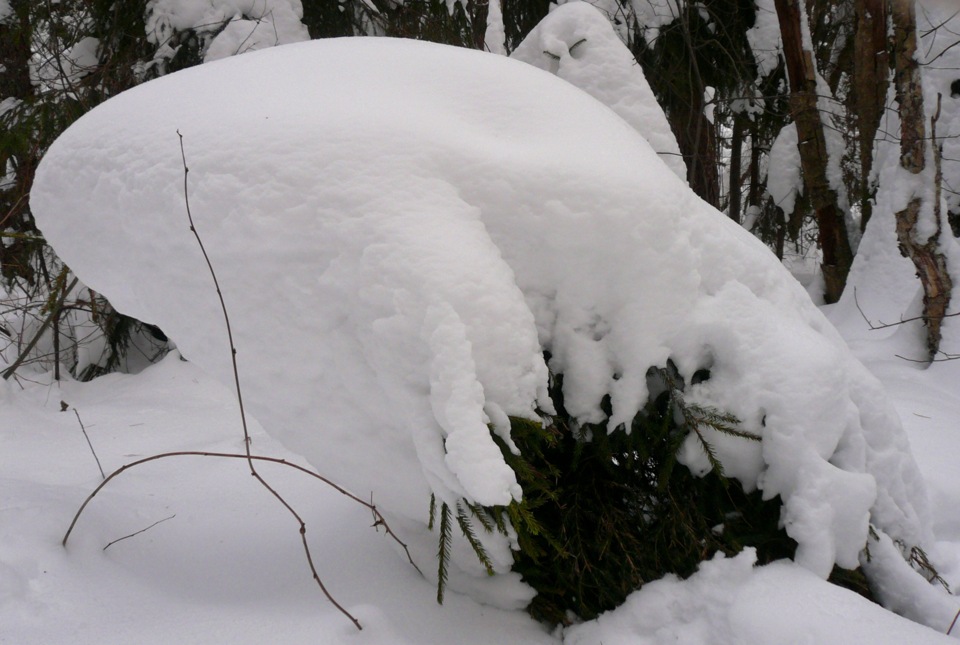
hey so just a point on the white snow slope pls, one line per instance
(400, 229)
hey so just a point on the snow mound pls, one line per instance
(576, 42)
(728, 602)
(401, 230)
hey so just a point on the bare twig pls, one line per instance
(946, 357)
(54, 312)
(243, 416)
(109, 544)
(902, 321)
(87, 437)
(378, 519)
(223, 305)
(955, 616)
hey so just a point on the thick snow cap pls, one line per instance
(576, 42)
(400, 229)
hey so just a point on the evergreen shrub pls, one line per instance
(603, 512)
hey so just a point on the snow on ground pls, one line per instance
(396, 259)
(396, 351)
(228, 566)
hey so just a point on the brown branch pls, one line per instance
(87, 437)
(379, 520)
(110, 544)
(926, 361)
(902, 321)
(243, 416)
(247, 456)
(223, 305)
(55, 311)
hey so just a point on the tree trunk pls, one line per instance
(870, 81)
(698, 145)
(736, 154)
(834, 243)
(16, 153)
(930, 263)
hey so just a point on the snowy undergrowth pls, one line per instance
(402, 230)
(227, 565)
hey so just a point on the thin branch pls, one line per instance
(378, 517)
(946, 358)
(243, 416)
(223, 305)
(957, 615)
(54, 311)
(87, 437)
(902, 321)
(109, 544)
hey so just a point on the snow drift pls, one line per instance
(402, 229)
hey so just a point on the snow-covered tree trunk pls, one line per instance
(926, 255)
(834, 243)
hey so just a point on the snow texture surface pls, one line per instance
(576, 42)
(225, 559)
(400, 229)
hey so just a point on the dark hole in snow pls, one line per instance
(701, 375)
(955, 89)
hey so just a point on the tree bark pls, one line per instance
(698, 145)
(16, 153)
(736, 154)
(870, 80)
(834, 243)
(929, 261)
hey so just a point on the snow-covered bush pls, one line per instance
(405, 231)
(577, 43)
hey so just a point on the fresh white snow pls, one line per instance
(228, 566)
(397, 244)
(399, 229)
(577, 43)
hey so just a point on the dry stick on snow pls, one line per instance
(236, 380)
(110, 544)
(902, 321)
(87, 437)
(378, 519)
(944, 355)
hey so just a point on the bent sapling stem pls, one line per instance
(378, 519)
(236, 380)
(248, 456)
(87, 437)
(135, 533)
